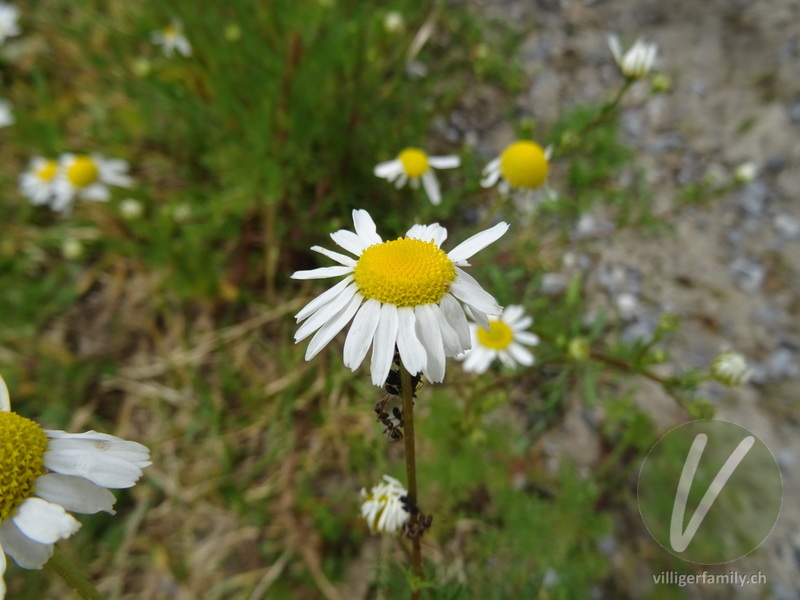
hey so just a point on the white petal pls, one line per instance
(475, 297)
(431, 185)
(2, 573)
(183, 46)
(426, 233)
(616, 48)
(478, 360)
(389, 169)
(44, 522)
(350, 241)
(506, 359)
(97, 192)
(323, 299)
(521, 354)
(384, 343)
(75, 494)
(403, 179)
(111, 463)
(412, 352)
(521, 324)
(328, 331)
(361, 332)
(455, 316)
(512, 313)
(477, 242)
(444, 162)
(5, 399)
(322, 273)
(25, 552)
(450, 341)
(342, 259)
(491, 173)
(326, 314)
(526, 337)
(365, 227)
(430, 335)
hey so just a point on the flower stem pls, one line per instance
(407, 390)
(69, 572)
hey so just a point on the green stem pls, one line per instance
(74, 578)
(488, 216)
(407, 391)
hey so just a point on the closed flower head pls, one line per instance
(637, 62)
(382, 507)
(406, 293)
(731, 369)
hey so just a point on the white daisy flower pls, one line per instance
(403, 292)
(9, 15)
(505, 339)
(171, 38)
(731, 369)
(382, 507)
(522, 165)
(43, 474)
(413, 164)
(37, 183)
(88, 178)
(6, 116)
(637, 62)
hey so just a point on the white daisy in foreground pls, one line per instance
(37, 183)
(171, 38)
(413, 164)
(637, 62)
(382, 507)
(88, 178)
(43, 474)
(505, 339)
(402, 292)
(6, 116)
(522, 165)
(731, 369)
(9, 15)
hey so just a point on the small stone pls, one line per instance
(553, 284)
(781, 363)
(753, 198)
(748, 274)
(787, 226)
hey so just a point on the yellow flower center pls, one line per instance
(404, 272)
(22, 447)
(499, 336)
(414, 161)
(47, 171)
(524, 165)
(170, 32)
(82, 172)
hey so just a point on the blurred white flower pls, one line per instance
(414, 165)
(746, 172)
(6, 116)
(130, 209)
(393, 22)
(72, 248)
(87, 177)
(731, 369)
(37, 183)
(505, 339)
(637, 62)
(171, 38)
(382, 507)
(9, 15)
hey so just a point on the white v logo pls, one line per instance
(680, 540)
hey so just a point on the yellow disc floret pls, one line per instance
(82, 172)
(404, 272)
(414, 161)
(47, 171)
(524, 165)
(22, 447)
(499, 336)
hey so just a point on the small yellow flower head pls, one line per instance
(382, 507)
(414, 165)
(522, 165)
(731, 369)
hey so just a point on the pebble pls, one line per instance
(787, 226)
(782, 364)
(753, 198)
(553, 284)
(748, 274)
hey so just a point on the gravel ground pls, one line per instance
(731, 269)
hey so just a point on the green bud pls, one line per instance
(660, 83)
(669, 322)
(701, 408)
(578, 348)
